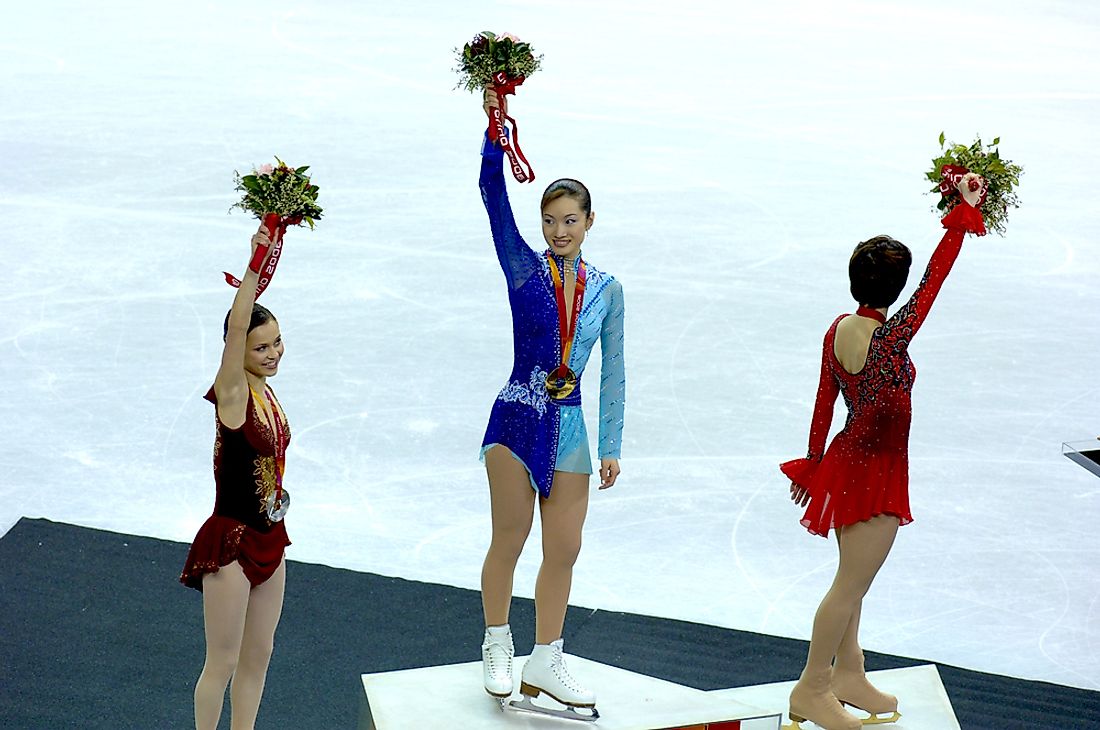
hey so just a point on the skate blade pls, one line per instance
(874, 718)
(569, 713)
(796, 723)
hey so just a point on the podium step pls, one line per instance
(451, 696)
(922, 699)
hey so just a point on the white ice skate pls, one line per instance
(496, 662)
(545, 673)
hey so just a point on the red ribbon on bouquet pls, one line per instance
(502, 86)
(276, 227)
(952, 175)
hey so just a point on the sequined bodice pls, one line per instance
(245, 466)
(535, 332)
(878, 396)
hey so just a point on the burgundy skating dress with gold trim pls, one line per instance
(865, 471)
(245, 475)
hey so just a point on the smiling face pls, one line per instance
(264, 350)
(564, 225)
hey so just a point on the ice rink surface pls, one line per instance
(736, 152)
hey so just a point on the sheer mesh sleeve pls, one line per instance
(517, 259)
(612, 375)
(906, 321)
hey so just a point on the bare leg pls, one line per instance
(863, 549)
(225, 604)
(265, 606)
(513, 505)
(562, 520)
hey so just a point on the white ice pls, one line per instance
(736, 151)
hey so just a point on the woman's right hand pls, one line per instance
(260, 238)
(489, 100)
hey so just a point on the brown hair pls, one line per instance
(568, 187)
(260, 315)
(878, 270)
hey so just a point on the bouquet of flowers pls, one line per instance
(977, 174)
(500, 63)
(279, 189)
(482, 60)
(281, 196)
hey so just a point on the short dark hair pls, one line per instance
(878, 270)
(260, 315)
(568, 187)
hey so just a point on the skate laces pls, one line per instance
(557, 665)
(497, 651)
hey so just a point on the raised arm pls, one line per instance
(907, 320)
(517, 259)
(230, 384)
(901, 328)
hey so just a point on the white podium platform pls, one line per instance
(921, 698)
(451, 697)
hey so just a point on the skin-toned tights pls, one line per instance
(240, 630)
(863, 549)
(513, 502)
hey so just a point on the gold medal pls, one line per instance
(560, 383)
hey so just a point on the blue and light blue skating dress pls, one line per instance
(545, 434)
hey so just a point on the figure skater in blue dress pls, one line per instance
(536, 444)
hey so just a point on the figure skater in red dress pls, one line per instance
(236, 559)
(859, 486)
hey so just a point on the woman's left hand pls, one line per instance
(609, 472)
(800, 495)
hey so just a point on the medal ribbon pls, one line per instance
(276, 227)
(280, 443)
(503, 86)
(567, 331)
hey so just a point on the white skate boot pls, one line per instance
(545, 673)
(496, 662)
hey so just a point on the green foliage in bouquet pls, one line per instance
(488, 54)
(279, 189)
(1002, 177)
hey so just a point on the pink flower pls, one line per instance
(265, 169)
(509, 36)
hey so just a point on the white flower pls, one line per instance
(971, 187)
(265, 169)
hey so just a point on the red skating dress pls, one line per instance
(245, 475)
(865, 471)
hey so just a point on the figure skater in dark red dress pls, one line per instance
(236, 559)
(859, 487)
